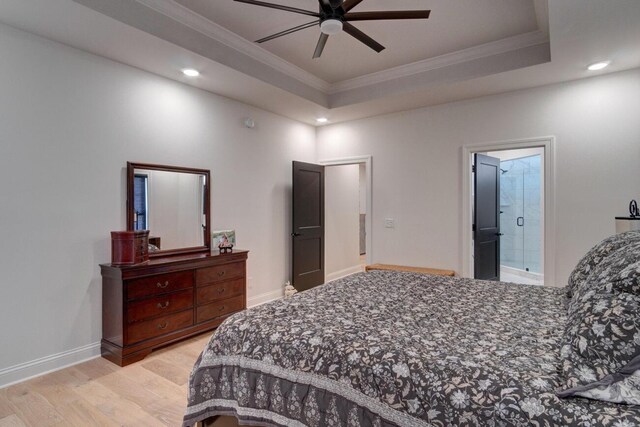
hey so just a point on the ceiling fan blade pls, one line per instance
(347, 5)
(280, 7)
(289, 31)
(325, 5)
(395, 14)
(353, 31)
(320, 47)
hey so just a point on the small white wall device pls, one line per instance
(249, 123)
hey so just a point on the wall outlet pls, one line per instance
(389, 223)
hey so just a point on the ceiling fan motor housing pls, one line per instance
(331, 26)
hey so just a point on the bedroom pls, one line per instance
(83, 93)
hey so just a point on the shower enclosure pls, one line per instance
(520, 213)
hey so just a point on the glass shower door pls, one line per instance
(520, 213)
(532, 232)
(511, 209)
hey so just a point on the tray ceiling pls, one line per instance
(453, 26)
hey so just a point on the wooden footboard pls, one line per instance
(423, 270)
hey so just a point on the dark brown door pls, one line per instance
(308, 225)
(486, 222)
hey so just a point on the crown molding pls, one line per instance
(476, 52)
(217, 32)
(191, 19)
(186, 16)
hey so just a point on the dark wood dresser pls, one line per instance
(149, 305)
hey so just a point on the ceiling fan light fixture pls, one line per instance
(331, 27)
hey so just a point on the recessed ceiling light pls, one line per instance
(322, 120)
(598, 66)
(190, 72)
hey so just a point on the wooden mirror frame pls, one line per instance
(131, 167)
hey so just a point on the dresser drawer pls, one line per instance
(220, 273)
(220, 291)
(152, 328)
(160, 284)
(164, 304)
(220, 308)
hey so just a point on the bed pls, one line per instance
(396, 349)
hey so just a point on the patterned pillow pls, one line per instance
(602, 348)
(596, 255)
(618, 272)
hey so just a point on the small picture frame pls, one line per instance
(223, 241)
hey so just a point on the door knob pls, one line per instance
(499, 234)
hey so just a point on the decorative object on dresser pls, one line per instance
(155, 241)
(150, 305)
(129, 247)
(224, 240)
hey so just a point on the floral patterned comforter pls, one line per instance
(396, 349)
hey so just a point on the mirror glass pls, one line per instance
(172, 205)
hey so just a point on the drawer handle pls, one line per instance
(162, 285)
(163, 304)
(222, 308)
(221, 273)
(163, 325)
(221, 290)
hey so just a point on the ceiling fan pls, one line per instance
(336, 16)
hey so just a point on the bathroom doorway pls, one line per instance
(546, 147)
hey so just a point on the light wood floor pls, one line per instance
(152, 392)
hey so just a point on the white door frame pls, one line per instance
(367, 160)
(548, 144)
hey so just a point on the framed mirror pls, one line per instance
(173, 204)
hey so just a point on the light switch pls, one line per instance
(389, 223)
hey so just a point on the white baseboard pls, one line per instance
(35, 368)
(265, 298)
(343, 273)
(44, 365)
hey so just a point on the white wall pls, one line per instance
(69, 122)
(342, 220)
(418, 160)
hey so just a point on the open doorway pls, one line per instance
(509, 196)
(309, 264)
(345, 219)
(347, 216)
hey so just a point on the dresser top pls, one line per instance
(160, 263)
